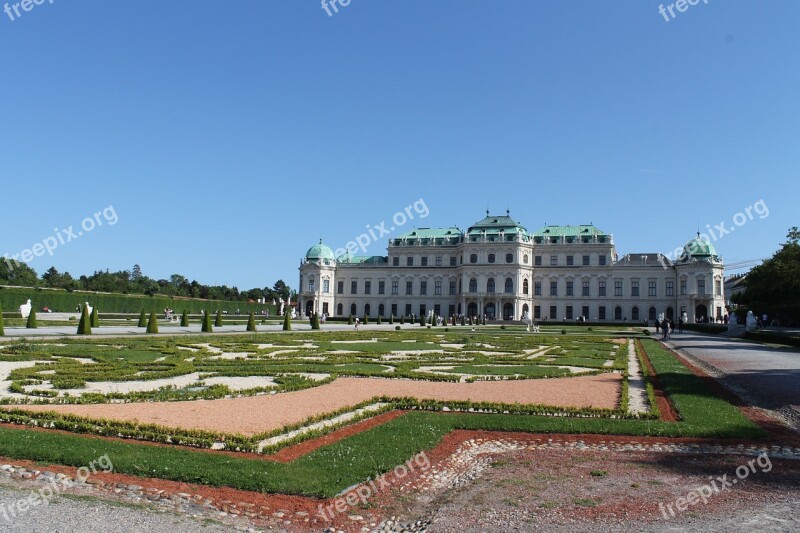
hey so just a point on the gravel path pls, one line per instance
(256, 414)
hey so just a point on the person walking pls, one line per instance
(658, 325)
(665, 329)
(357, 322)
(680, 325)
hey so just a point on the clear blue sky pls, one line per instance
(230, 136)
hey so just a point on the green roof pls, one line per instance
(569, 231)
(319, 251)
(496, 224)
(431, 233)
(347, 259)
(698, 247)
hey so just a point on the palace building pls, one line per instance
(499, 269)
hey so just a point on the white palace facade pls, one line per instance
(499, 269)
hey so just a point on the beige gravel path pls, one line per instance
(257, 414)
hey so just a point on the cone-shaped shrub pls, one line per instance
(185, 318)
(351, 320)
(218, 320)
(315, 321)
(142, 320)
(31, 324)
(403, 319)
(85, 324)
(152, 324)
(433, 320)
(379, 320)
(484, 320)
(95, 318)
(422, 320)
(2, 331)
(462, 320)
(391, 319)
(251, 322)
(207, 323)
(287, 322)
(366, 319)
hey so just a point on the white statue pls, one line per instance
(25, 309)
(89, 308)
(751, 322)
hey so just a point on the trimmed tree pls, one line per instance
(484, 320)
(433, 320)
(206, 328)
(85, 324)
(287, 322)
(351, 320)
(422, 320)
(251, 322)
(185, 318)
(2, 331)
(142, 320)
(218, 320)
(95, 318)
(31, 324)
(379, 320)
(391, 319)
(462, 320)
(315, 321)
(366, 319)
(152, 324)
(403, 319)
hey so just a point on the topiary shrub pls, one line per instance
(315, 321)
(95, 318)
(379, 321)
(251, 322)
(351, 320)
(185, 319)
(142, 320)
(85, 324)
(206, 327)
(152, 324)
(563, 332)
(433, 320)
(503, 326)
(403, 319)
(397, 328)
(484, 320)
(462, 320)
(366, 319)
(31, 324)
(646, 332)
(287, 322)
(422, 320)
(2, 330)
(391, 319)
(218, 320)
(470, 321)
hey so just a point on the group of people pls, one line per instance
(666, 327)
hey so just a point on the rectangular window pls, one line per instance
(311, 285)
(340, 287)
(570, 291)
(395, 288)
(585, 312)
(381, 287)
(634, 288)
(701, 287)
(410, 261)
(408, 309)
(367, 287)
(537, 260)
(652, 288)
(570, 260)
(438, 260)
(670, 288)
(453, 261)
(602, 260)
(425, 261)
(683, 287)
(553, 288)
(409, 287)
(537, 288)
(452, 287)
(569, 312)
(326, 286)
(553, 312)
(601, 290)
(396, 261)
(601, 312)
(423, 287)
(394, 309)
(718, 288)
(422, 310)
(353, 287)
(585, 290)
(553, 260)
(537, 312)
(617, 288)
(585, 260)
(437, 288)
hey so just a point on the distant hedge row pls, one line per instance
(61, 301)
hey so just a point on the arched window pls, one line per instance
(490, 285)
(353, 309)
(617, 313)
(509, 286)
(473, 285)
(473, 258)
(524, 286)
(381, 309)
(339, 310)
(651, 314)
(367, 310)
(635, 313)
(491, 258)
(509, 258)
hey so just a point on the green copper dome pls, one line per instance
(698, 247)
(319, 252)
